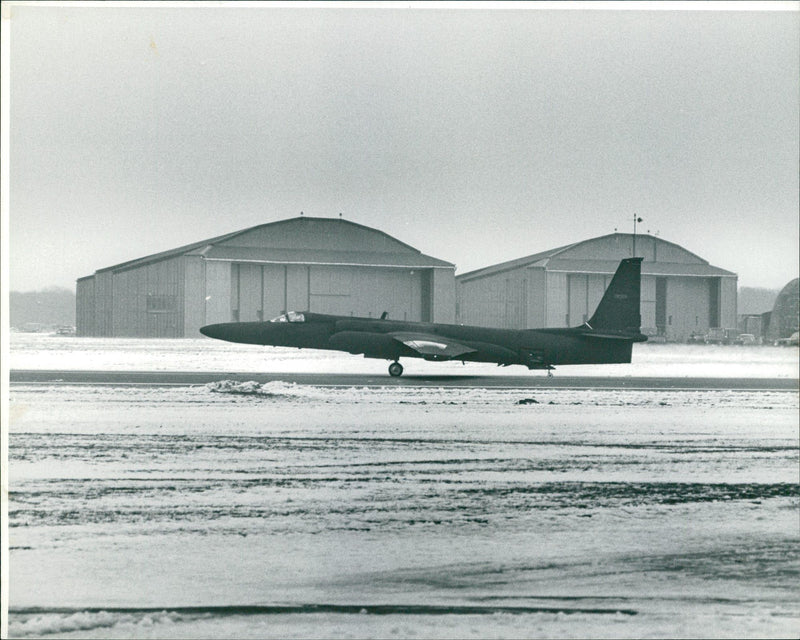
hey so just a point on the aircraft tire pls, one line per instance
(395, 369)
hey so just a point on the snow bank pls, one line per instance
(57, 623)
(275, 389)
(498, 398)
(689, 621)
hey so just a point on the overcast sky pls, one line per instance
(477, 136)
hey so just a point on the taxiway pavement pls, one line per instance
(171, 378)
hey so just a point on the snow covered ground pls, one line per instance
(41, 351)
(241, 510)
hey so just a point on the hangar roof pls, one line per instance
(602, 255)
(648, 268)
(327, 257)
(224, 247)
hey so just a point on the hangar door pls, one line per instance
(365, 291)
(263, 291)
(584, 292)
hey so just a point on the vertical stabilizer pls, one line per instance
(618, 311)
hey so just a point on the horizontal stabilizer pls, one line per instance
(609, 336)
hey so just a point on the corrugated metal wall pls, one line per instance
(148, 300)
(728, 302)
(442, 296)
(216, 293)
(556, 299)
(265, 291)
(687, 307)
(537, 298)
(584, 292)
(194, 295)
(84, 307)
(103, 300)
(647, 305)
(499, 300)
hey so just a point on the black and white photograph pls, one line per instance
(400, 319)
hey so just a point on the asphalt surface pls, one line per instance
(183, 378)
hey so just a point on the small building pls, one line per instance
(325, 265)
(681, 295)
(752, 323)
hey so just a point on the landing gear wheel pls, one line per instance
(395, 369)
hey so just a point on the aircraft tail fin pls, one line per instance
(618, 310)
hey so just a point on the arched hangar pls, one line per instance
(325, 265)
(785, 317)
(681, 292)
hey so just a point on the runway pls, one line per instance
(426, 507)
(535, 380)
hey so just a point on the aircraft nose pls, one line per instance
(214, 331)
(244, 332)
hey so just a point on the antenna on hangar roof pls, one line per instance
(635, 220)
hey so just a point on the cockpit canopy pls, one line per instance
(291, 316)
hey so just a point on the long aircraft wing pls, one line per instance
(431, 345)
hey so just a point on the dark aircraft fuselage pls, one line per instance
(607, 337)
(535, 348)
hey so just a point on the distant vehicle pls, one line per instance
(697, 338)
(718, 335)
(607, 337)
(792, 341)
(32, 327)
(744, 339)
(65, 330)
